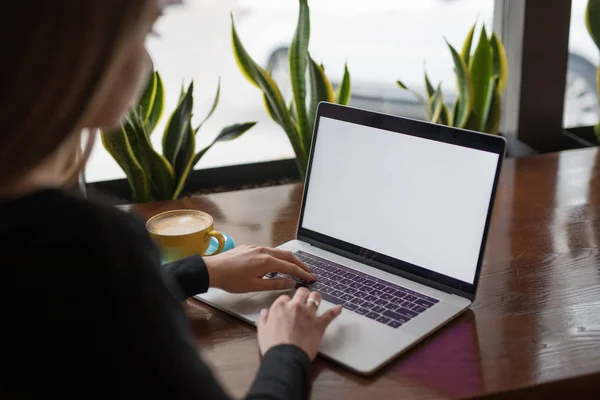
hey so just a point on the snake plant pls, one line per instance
(151, 175)
(592, 22)
(297, 119)
(481, 78)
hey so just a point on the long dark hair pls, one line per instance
(55, 55)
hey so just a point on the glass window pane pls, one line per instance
(581, 97)
(381, 40)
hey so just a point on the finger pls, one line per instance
(273, 284)
(283, 299)
(264, 314)
(289, 257)
(329, 315)
(288, 268)
(301, 295)
(316, 301)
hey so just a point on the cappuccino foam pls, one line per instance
(179, 224)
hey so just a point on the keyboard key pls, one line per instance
(371, 298)
(317, 285)
(339, 286)
(356, 285)
(326, 274)
(407, 312)
(346, 281)
(395, 316)
(358, 279)
(376, 293)
(389, 290)
(368, 282)
(347, 297)
(392, 306)
(410, 297)
(386, 296)
(350, 290)
(372, 315)
(350, 306)
(358, 301)
(379, 286)
(362, 311)
(366, 289)
(423, 303)
(331, 299)
(383, 320)
(394, 324)
(326, 289)
(419, 309)
(396, 300)
(368, 305)
(337, 293)
(381, 302)
(378, 309)
(400, 294)
(349, 275)
(362, 295)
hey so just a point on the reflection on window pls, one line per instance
(382, 41)
(581, 98)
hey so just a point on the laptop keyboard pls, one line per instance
(376, 299)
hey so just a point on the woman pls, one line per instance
(86, 307)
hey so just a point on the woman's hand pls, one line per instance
(241, 269)
(295, 322)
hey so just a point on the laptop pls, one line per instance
(394, 219)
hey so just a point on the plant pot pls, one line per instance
(580, 137)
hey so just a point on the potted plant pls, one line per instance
(297, 119)
(589, 136)
(151, 175)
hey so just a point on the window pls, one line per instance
(581, 98)
(381, 40)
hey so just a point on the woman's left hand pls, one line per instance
(242, 269)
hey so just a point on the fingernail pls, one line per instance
(313, 276)
(263, 312)
(289, 285)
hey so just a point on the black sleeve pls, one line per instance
(190, 274)
(155, 349)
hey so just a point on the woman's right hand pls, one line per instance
(295, 321)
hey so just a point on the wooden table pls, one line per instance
(534, 329)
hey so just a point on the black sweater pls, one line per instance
(88, 311)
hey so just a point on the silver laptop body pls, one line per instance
(394, 220)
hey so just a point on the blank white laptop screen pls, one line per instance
(413, 199)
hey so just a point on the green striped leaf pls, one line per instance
(275, 103)
(500, 62)
(118, 146)
(183, 164)
(158, 107)
(592, 20)
(298, 58)
(464, 105)
(228, 133)
(446, 117)
(420, 98)
(466, 50)
(436, 103)
(481, 69)
(491, 121)
(320, 90)
(213, 107)
(344, 89)
(429, 89)
(178, 126)
(158, 170)
(146, 102)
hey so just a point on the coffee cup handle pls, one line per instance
(220, 238)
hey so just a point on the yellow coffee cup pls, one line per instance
(182, 233)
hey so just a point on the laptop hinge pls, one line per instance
(391, 270)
